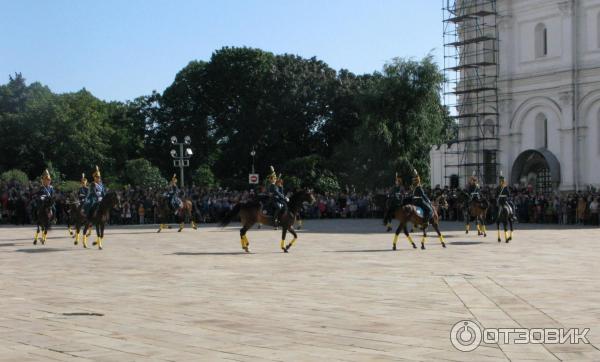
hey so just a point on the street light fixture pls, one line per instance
(181, 159)
(253, 153)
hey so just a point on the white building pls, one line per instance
(548, 96)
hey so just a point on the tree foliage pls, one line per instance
(327, 129)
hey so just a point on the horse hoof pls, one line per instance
(284, 250)
(422, 247)
(444, 245)
(499, 240)
(169, 227)
(75, 243)
(246, 250)
(466, 232)
(485, 235)
(414, 246)
(95, 243)
(34, 241)
(507, 241)
(388, 229)
(394, 247)
(99, 247)
(179, 230)
(158, 230)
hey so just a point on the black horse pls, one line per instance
(505, 216)
(100, 217)
(77, 218)
(43, 214)
(251, 212)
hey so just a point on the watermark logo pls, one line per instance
(466, 336)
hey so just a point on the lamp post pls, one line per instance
(181, 159)
(253, 153)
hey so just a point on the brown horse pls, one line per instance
(186, 211)
(408, 212)
(100, 217)
(440, 203)
(475, 210)
(251, 212)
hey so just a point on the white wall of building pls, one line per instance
(563, 85)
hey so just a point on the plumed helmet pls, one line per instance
(96, 172)
(46, 175)
(272, 175)
(416, 178)
(83, 180)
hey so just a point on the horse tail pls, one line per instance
(228, 216)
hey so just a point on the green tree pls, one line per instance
(204, 177)
(142, 173)
(15, 175)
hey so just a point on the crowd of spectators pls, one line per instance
(138, 206)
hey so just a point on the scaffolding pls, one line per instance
(471, 88)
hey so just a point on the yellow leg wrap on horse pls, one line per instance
(99, 243)
(468, 227)
(36, 235)
(505, 235)
(423, 240)
(70, 231)
(478, 228)
(45, 236)
(511, 234)
(243, 242)
(410, 239)
(85, 241)
(395, 239)
(293, 241)
(442, 240)
(282, 244)
(300, 223)
(484, 229)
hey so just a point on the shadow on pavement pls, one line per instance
(41, 249)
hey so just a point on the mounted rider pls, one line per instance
(504, 197)
(96, 193)
(46, 191)
(83, 191)
(420, 198)
(473, 189)
(173, 195)
(278, 198)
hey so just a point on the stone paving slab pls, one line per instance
(341, 294)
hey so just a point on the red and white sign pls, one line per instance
(253, 179)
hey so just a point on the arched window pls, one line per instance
(541, 131)
(541, 40)
(489, 128)
(598, 30)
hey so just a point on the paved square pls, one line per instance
(340, 294)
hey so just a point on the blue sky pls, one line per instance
(119, 50)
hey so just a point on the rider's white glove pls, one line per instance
(287, 199)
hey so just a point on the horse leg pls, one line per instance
(181, 220)
(410, 239)
(101, 235)
(283, 234)
(35, 237)
(97, 235)
(498, 227)
(424, 237)
(510, 223)
(483, 227)
(398, 230)
(436, 226)
(291, 230)
(76, 237)
(45, 233)
(86, 228)
(505, 231)
(244, 238)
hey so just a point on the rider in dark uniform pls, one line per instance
(173, 194)
(474, 189)
(95, 194)
(46, 191)
(504, 197)
(420, 198)
(83, 192)
(278, 199)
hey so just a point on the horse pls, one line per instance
(100, 216)
(186, 211)
(505, 215)
(78, 219)
(43, 216)
(440, 204)
(407, 212)
(251, 212)
(474, 210)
